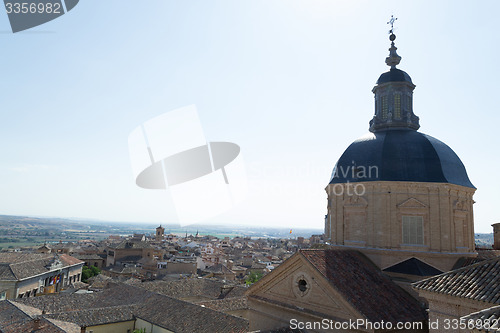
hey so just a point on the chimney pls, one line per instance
(496, 236)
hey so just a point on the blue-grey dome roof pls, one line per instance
(394, 75)
(400, 155)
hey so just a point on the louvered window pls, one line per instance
(385, 107)
(408, 103)
(413, 230)
(397, 106)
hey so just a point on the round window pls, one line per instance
(302, 285)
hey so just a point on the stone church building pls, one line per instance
(400, 210)
(416, 197)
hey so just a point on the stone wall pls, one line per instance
(368, 215)
(445, 311)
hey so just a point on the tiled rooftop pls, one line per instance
(130, 244)
(120, 269)
(15, 319)
(487, 320)
(182, 289)
(87, 256)
(218, 269)
(364, 286)
(97, 316)
(466, 261)
(227, 304)
(115, 296)
(482, 254)
(124, 302)
(183, 317)
(64, 326)
(99, 282)
(69, 260)
(17, 266)
(480, 281)
(129, 259)
(6, 273)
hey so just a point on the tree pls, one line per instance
(88, 272)
(253, 277)
(95, 270)
(85, 273)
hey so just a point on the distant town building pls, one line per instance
(220, 271)
(160, 232)
(44, 249)
(127, 251)
(496, 236)
(91, 259)
(138, 238)
(31, 274)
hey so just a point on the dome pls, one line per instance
(400, 155)
(394, 75)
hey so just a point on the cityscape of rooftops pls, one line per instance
(249, 166)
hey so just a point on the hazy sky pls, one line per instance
(289, 81)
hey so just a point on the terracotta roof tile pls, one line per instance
(69, 260)
(130, 244)
(87, 256)
(65, 326)
(18, 266)
(182, 289)
(480, 281)
(6, 273)
(123, 302)
(98, 316)
(14, 319)
(487, 320)
(183, 317)
(364, 286)
(227, 304)
(218, 269)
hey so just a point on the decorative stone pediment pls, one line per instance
(54, 264)
(297, 284)
(355, 201)
(412, 203)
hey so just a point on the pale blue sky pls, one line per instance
(289, 81)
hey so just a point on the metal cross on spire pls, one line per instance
(391, 22)
(393, 59)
